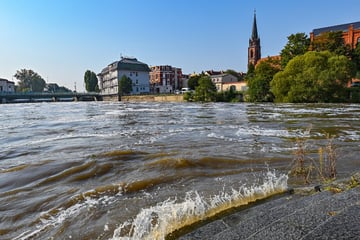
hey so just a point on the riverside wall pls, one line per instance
(153, 98)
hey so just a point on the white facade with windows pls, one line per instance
(137, 71)
(221, 79)
(6, 86)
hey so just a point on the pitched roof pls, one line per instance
(126, 63)
(132, 64)
(341, 27)
(5, 80)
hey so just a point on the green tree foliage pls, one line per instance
(250, 73)
(194, 81)
(356, 60)
(29, 81)
(206, 91)
(125, 85)
(91, 81)
(332, 42)
(229, 96)
(313, 77)
(297, 44)
(259, 84)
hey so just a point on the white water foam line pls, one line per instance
(158, 221)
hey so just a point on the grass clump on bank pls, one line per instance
(309, 169)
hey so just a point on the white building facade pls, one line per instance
(6, 86)
(221, 79)
(135, 70)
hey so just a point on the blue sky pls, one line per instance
(61, 39)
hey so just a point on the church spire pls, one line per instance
(254, 50)
(254, 34)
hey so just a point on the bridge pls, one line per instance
(48, 97)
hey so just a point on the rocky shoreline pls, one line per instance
(331, 211)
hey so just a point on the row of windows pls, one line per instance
(133, 73)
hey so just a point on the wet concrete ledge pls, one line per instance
(333, 213)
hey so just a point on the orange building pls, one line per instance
(351, 32)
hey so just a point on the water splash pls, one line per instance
(158, 221)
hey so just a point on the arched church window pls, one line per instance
(251, 53)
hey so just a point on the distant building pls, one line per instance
(212, 72)
(254, 50)
(6, 86)
(235, 86)
(165, 79)
(350, 32)
(221, 79)
(185, 80)
(137, 71)
(276, 60)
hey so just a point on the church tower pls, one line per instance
(254, 50)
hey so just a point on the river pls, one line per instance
(113, 170)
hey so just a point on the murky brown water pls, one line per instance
(104, 170)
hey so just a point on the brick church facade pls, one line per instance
(350, 32)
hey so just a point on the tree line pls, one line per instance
(317, 71)
(30, 81)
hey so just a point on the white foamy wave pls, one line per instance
(256, 130)
(158, 221)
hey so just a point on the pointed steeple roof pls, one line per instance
(254, 34)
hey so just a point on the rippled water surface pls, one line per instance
(100, 170)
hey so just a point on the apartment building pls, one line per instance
(165, 79)
(137, 71)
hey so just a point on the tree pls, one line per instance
(29, 81)
(297, 44)
(332, 42)
(356, 60)
(251, 71)
(313, 77)
(91, 81)
(259, 84)
(194, 81)
(206, 91)
(125, 85)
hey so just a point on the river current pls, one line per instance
(114, 170)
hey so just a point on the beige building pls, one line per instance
(236, 86)
(221, 79)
